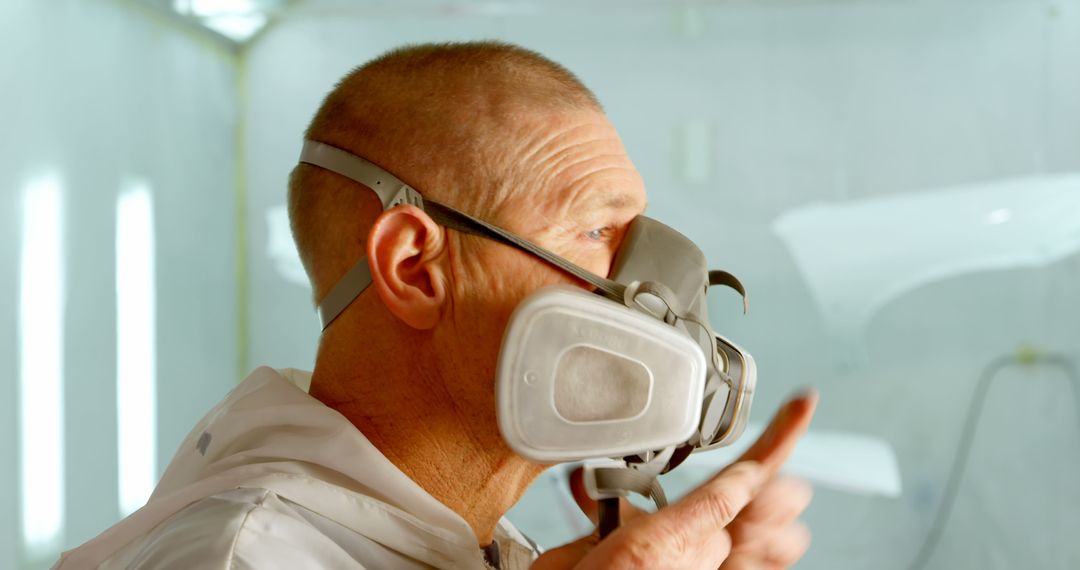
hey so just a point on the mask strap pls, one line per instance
(393, 192)
(605, 483)
(718, 277)
(672, 312)
(390, 190)
(456, 220)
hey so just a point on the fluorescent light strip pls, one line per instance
(136, 378)
(41, 368)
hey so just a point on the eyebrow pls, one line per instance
(612, 201)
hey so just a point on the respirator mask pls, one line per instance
(630, 371)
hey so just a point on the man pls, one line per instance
(393, 459)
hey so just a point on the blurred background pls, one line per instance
(897, 182)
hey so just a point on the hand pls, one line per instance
(744, 517)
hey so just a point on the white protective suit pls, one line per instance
(272, 478)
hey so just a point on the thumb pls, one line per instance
(566, 556)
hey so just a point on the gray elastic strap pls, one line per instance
(359, 277)
(385, 185)
(344, 292)
(620, 479)
(676, 313)
(393, 192)
(453, 219)
(717, 277)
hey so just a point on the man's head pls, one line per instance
(492, 130)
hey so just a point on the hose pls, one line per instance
(1026, 357)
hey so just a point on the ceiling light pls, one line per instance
(238, 28)
(238, 20)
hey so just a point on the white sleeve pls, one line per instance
(243, 529)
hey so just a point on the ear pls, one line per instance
(406, 254)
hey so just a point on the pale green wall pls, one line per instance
(102, 92)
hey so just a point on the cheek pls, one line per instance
(489, 282)
(491, 279)
(505, 290)
(598, 262)
(488, 286)
(494, 278)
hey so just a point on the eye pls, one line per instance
(599, 234)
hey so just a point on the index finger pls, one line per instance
(776, 443)
(719, 500)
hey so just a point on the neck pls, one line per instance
(425, 428)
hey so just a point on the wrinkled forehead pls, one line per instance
(579, 170)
